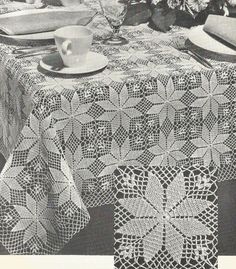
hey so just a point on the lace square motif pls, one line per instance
(166, 217)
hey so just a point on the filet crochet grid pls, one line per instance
(166, 217)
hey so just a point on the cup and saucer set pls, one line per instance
(74, 55)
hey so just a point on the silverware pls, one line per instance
(36, 52)
(197, 57)
(30, 50)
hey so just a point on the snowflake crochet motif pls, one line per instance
(164, 218)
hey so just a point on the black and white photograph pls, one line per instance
(118, 131)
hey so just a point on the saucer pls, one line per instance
(94, 62)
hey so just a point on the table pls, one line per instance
(63, 137)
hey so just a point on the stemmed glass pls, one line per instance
(114, 11)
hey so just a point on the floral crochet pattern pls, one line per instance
(63, 138)
(165, 217)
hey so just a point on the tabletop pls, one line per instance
(64, 136)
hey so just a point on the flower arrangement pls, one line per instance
(193, 7)
(164, 13)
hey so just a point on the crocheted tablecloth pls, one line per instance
(64, 136)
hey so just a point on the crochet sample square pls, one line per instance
(166, 217)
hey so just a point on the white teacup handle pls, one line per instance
(65, 47)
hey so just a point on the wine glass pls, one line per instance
(114, 11)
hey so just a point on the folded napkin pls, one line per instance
(43, 20)
(221, 27)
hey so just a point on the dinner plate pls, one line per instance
(94, 62)
(210, 46)
(30, 37)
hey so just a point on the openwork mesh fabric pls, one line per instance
(152, 105)
(227, 172)
(40, 205)
(166, 217)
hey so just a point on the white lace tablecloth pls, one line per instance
(63, 137)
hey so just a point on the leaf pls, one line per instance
(75, 196)
(157, 160)
(29, 232)
(163, 19)
(66, 170)
(137, 227)
(152, 243)
(31, 206)
(12, 184)
(136, 14)
(49, 227)
(23, 212)
(154, 191)
(175, 191)
(68, 130)
(174, 243)
(131, 103)
(75, 103)
(221, 138)
(11, 172)
(27, 132)
(34, 123)
(138, 207)
(184, 19)
(65, 105)
(51, 146)
(190, 227)
(86, 162)
(22, 224)
(108, 170)
(191, 207)
(33, 152)
(41, 232)
(5, 191)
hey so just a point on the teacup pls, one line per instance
(73, 43)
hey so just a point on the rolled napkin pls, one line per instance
(221, 27)
(43, 20)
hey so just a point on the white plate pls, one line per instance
(201, 39)
(30, 37)
(94, 62)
